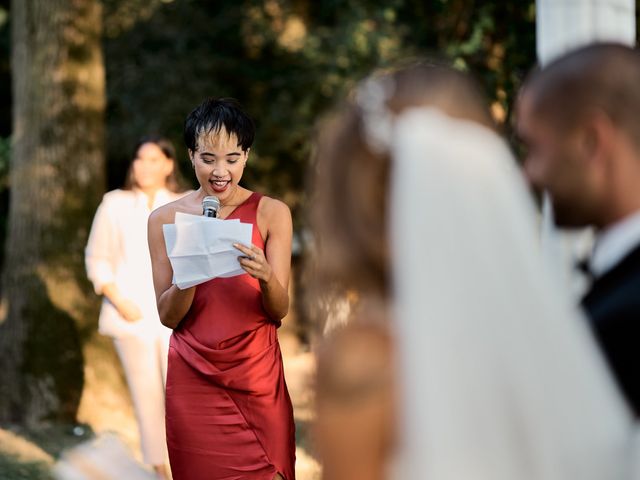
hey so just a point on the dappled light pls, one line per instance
(83, 81)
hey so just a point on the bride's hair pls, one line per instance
(350, 178)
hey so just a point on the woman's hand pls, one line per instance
(254, 262)
(128, 310)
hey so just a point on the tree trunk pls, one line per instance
(56, 181)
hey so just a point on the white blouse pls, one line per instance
(117, 252)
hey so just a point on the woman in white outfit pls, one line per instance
(118, 264)
(464, 359)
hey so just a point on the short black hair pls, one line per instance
(215, 113)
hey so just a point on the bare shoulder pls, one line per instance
(163, 214)
(365, 341)
(357, 359)
(274, 210)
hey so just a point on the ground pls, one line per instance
(106, 407)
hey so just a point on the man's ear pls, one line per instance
(597, 138)
(246, 155)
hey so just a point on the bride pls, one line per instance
(463, 359)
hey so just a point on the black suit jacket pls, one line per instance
(613, 305)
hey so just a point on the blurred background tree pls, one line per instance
(56, 176)
(287, 61)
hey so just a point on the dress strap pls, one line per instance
(247, 211)
(251, 203)
(254, 199)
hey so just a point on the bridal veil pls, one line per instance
(500, 377)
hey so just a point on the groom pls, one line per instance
(580, 120)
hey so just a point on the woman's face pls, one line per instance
(219, 164)
(151, 167)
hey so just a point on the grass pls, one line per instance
(105, 406)
(21, 459)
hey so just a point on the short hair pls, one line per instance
(214, 114)
(605, 76)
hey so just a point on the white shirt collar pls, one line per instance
(162, 197)
(614, 243)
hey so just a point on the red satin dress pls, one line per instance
(228, 411)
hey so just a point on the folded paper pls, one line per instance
(201, 248)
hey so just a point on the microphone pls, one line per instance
(210, 206)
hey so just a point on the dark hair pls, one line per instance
(162, 143)
(174, 180)
(212, 115)
(602, 76)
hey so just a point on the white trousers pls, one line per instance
(144, 360)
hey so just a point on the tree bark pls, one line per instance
(56, 181)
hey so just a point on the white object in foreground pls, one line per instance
(104, 458)
(201, 248)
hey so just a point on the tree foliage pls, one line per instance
(288, 61)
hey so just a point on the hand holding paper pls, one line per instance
(255, 263)
(201, 248)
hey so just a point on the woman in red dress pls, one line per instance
(228, 411)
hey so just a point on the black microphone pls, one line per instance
(210, 206)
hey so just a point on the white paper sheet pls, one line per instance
(201, 248)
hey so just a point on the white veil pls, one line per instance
(500, 377)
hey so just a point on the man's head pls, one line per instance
(580, 120)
